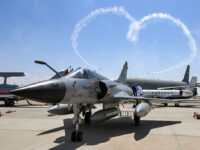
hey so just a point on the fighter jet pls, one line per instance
(160, 84)
(83, 88)
(5, 88)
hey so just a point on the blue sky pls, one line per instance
(42, 29)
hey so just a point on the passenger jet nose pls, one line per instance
(51, 91)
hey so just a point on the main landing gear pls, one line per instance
(176, 104)
(76, 136)
(87, 117)
(136, 119)
(9, 102)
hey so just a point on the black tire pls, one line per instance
(73, 136)
(176, 104)
(165, 104)
(11, 103)
(6, 103)
(87, 117)
(76, 136)
(80, 136)
(136, 119)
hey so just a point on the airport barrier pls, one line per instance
(126, 113)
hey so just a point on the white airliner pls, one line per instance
(189, 92)
(170, 94)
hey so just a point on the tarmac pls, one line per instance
(32, 128)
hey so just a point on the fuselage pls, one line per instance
(86, 91)
(4, 91)
(153, 83)
(80, 86)
(170, 94)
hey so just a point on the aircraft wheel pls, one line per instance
(6, 103)
(137, 120)
(176, 104)
(11, 103)
(76, 136)
(87, 117)
(165, 104)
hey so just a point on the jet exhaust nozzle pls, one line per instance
(50, 91)
(143, 109)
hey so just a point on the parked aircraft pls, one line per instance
(189, 92)
(83, 88)
(5, 88)
(160, 84)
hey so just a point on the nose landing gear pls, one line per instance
(76, 136)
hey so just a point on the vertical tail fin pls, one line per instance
(187, 74)
(193, 83)
(123, 76)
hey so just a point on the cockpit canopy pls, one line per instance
(84, 73)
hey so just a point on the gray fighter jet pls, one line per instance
(83, 88)
(160, 84)
(5, 88)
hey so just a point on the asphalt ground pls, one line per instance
(32, 128)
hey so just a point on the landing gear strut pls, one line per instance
(176, 104)
(76, 136)
(9, 102)
(136, 119)
(165, 104)
(87, 117)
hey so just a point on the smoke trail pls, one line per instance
(135, 27)
(83, 23)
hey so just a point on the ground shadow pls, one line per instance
(22, 106)
(97, 133)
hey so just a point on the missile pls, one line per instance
(105, 114)
(143, 109)
(61, 109)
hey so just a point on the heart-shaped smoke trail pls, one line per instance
(134, 29)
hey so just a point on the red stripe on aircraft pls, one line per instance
(4, 92)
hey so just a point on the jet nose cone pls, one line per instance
(51, 91)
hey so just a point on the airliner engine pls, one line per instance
(143, 109)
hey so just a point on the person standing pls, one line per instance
(134, 90)
(139, 90)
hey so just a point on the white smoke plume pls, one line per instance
(83, 23)
(134, 29)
